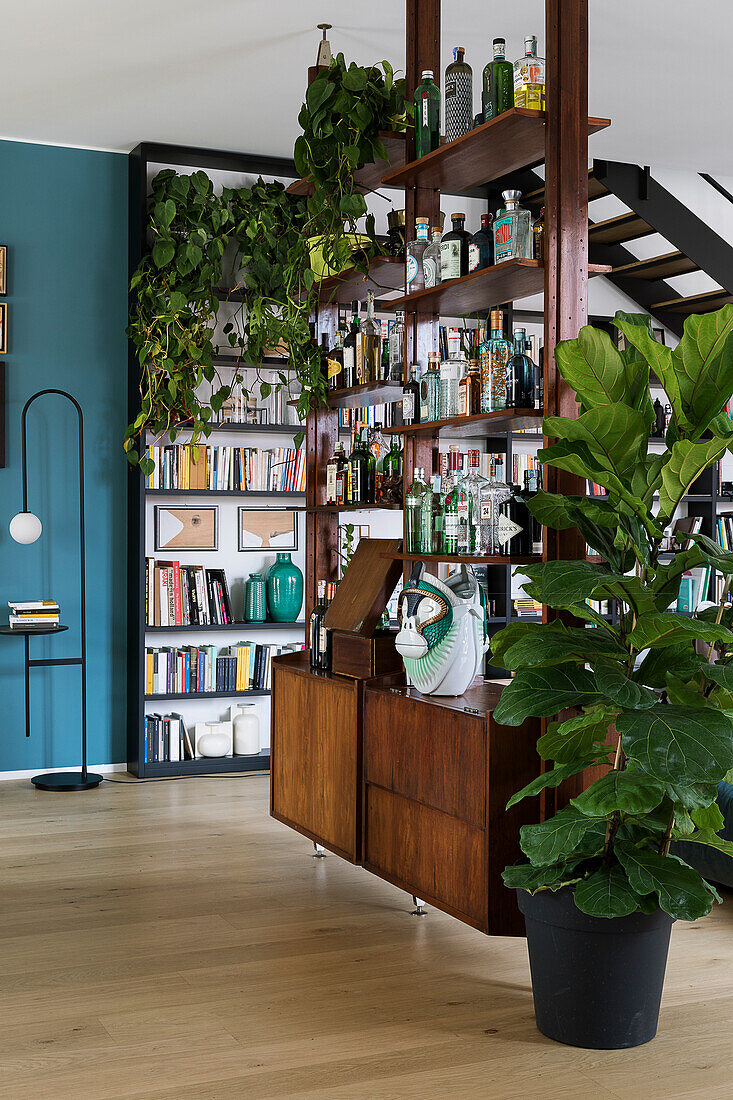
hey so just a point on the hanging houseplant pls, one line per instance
(601, 888)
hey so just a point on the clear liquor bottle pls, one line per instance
(450, 378)
(427, 115)
(349, 372)
(415, 277)
(493, 359)
(411, 396)
(378, 450)
(458, 90)
(454, 250)
(430, 408)
(335, 362)
(431, 259)
(413, 512)
(397, 348)
(512, 230)
(529, 77)
(520, 374)
(368, 349)
(450, 517)
(498, 89)
(464, 502)
(476, 483)
(493, 495)
(481, 247)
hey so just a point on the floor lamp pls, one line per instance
(26, 528)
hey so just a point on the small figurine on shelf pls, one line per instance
(443, 632)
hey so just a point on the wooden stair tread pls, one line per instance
(596, 190)
(707, 302)
(617, 230)
(658, 267)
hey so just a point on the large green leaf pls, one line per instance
(714, 553)
(703, 363)
(523, 876)
(615, 433)
(678, 744)
(681, 891)
(710, 840)
(666, 581)
(722, 675)
(561, 836)
(593, 366)
(506, 638)
(636, 330)
(577, 736)
(612, 681)
(557, 644)
(670, 629)
(692, 796)
(552, 778)
(687, 462)
(631, 792)
(606, 893)
(564, 584)
(540, 692)
(708, 818)
(554, 510)
(681, 660)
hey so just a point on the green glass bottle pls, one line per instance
(413, 513)
(427, 114)
(498, 90)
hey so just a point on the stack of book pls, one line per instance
(198, 670)
(185, 595)
(527, 608)
(187, 466)
(34, 613)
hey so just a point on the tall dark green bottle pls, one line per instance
(498, 90)
(427, 115)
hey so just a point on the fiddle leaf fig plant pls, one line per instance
(652, 692)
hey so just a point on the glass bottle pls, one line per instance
(454, 250)
(414, 267)
(493, 495)
(512, 235)
(529, 77)
(532, 485)
(475, 483)
(392, 473)
(384, 362)
(520, 375)
(427, 115)
(318, 649)
(450, 377)
(368, 346)
(458, 91)
(411, 396)
(469, 391)
(494, 357)
(430, 390)
(342, 476)
(498, 90)
(349, 372)
(361, 471)
(456, 515)
(397, 348)
(334, 464)
(438, 505)
(431, 259)
(481, 247)
(335, 362)
(378, 450)
(413, 506)
(516, 512)
(538, 237)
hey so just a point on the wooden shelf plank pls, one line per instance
(504, 282)
(372, 393)
(480, 424)
(470, 559)
(368, 178)
(329, 508)
(513, 140)
(386, 274)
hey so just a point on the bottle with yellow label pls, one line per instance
(529, 77)
(335, 363)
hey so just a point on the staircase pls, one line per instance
(652, 209)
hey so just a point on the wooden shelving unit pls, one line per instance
(477, 425)
(371, 393)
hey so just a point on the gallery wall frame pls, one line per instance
(186, 527)
(267, 529)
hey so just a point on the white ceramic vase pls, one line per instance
(246, 722)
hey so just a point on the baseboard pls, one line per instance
(103, 769)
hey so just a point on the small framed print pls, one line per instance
(268, 529)
(186, 528)
(3, 328)
(3, 269)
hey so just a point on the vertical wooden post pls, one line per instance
(566, 224)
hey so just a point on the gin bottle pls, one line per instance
(415, 277)
(454, 250)
(476, 484)
(493, 495)
(481, 248)
(413, 513)
(529, 77)
(430, 408)
(450, 377)
(368, 346)
(493, 359)
(397, 348)
(520, 375)
(411, 396)
(458, 96)
(512, 230)
(427, 115)
(498, 90)
(431, 259)
(450, 519)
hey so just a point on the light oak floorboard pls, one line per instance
(170, 940)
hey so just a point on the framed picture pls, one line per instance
(268, 529)
(3, 328)
(3, 269)
(186, 528)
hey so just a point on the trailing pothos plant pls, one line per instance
(653, 691)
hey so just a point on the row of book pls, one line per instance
(523, 464)
(218, 468)
(199, 670)
(166, 737)
(186, 595)
(30, 613)
(725, 530)
(694, 589)
(367, 415)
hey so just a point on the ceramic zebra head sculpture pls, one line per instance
(443, 636)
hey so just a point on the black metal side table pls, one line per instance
(50, 781)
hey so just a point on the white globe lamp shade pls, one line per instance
(25, 528)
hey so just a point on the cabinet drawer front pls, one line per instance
(427, 852)
(411, 749)
(316, 774)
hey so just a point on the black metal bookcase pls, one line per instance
(185, 157)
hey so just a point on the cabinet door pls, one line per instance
(316, 758)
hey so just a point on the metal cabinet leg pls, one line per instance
(419, 910)
(320, 852)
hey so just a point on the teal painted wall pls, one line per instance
(63, 217)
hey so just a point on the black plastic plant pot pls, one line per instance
(596, 982)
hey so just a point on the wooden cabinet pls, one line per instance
(437, 776)
(316, 754)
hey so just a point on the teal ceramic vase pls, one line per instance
(284, 590)
(255, 606)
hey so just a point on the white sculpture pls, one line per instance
(443, 634)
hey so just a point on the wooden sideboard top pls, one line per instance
(480, 699)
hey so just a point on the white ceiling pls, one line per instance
(230, 74)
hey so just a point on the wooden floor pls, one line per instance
(170, 940)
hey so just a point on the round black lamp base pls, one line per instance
(66, 781)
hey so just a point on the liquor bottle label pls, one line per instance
(408, 407)
(360, 364)
(331, 483)
(463, 401)
(485, 511)
(450, 260)
(504, 239)
(463, 512)
(334, 367)
(474, 256)
(451, 526)
(507, 529)
(355, 483)
(424, 399)
(411, 266)
(322, 639)
(430, 270)
(425, 109)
